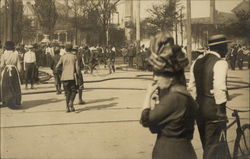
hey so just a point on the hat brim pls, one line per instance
(220, 42)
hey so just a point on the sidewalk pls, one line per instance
(106, 127)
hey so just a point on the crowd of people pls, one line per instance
(237, 55)
(178, 105)
(31, 57)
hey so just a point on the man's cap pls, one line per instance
(9, 45)
(217, 39)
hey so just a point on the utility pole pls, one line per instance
(5, 18)
(212, 11)
(128, 19)
(10, 21)
(138, 36)
(181, 27)
(189, 32)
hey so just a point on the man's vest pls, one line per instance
(203, 74)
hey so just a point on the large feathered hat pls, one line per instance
(165, 56)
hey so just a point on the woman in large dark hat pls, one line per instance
(10, 82)
(172, 118)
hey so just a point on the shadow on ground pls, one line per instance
(232, 96)
(96, 107)
(39, 102)
(101, 100)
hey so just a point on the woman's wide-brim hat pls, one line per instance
(165, 56)
(9, 45)
(217, 40)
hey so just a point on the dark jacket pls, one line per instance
(54, 62)
(173, 120)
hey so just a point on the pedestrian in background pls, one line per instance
(49, 52)
(70, 70)
(93, 59)
(233, 56)
(10, 81)
(57, 72)
(207, 84)
(29, 62)
(240, 57)
(172, 119)
(131, 55)
(80, 82)
(111, 59)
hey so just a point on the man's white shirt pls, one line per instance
(219, 79)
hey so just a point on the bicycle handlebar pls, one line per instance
(240, 111)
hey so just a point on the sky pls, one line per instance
(200, 8)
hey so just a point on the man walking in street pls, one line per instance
(29, 61)
(240, 57)
(233, 56)
(111, 60)
(131, 55)
(208, 86)
(70, 70)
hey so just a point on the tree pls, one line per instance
(18, 22)
(80, 9)
(47, 15)
(164, 15)
(28, 31)
(240, 28)
(148, 29)
(17, 15)
(104, 10)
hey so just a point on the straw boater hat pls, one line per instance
(165, 56)
(29, 46)
(217, 39)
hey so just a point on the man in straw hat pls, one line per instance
(208, 86)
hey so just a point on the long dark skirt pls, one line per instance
(172, 148)
(10, 88)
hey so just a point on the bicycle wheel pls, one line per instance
(242, 143)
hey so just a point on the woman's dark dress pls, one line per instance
(10, 81)
(173, 121)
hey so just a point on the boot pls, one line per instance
(67, 104)
(80, 97)
(58, 89)
(67, 109)
(71, 105)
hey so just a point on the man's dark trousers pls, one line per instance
(70, 90)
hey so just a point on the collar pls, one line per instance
(214, 53)
(9, 51)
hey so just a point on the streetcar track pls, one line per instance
(121, 89)
(72, 123)
(80, 123)
(86, 109)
